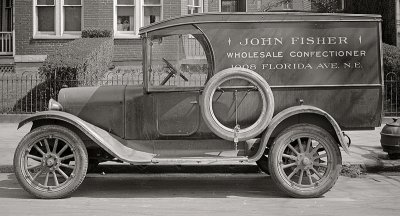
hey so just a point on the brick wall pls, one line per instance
(98, 13)
(24, 42)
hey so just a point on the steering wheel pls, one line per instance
(172, 72)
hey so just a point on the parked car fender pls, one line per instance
(101, 137)
(293, 111)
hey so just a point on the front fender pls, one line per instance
(104, 139)
(294, 111)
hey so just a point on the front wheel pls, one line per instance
(305, 161)
(50, 162)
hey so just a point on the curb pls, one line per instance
(13, 118)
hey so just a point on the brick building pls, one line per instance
(38, 27)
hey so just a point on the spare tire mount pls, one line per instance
(237, 134)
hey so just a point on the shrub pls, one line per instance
(391, 59)
(96, 33)
(78, 63)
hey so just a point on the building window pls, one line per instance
(130, 15)
(57, 18)
(72, 15)
(233, 5)
(288, 5)
(195, 6)
(6, 17)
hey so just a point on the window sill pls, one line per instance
(56, 37)
(126, 36)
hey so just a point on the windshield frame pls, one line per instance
(177, 30)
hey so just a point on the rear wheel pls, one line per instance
(305, 161)
(50, 162)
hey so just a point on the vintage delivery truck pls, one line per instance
(274, 88)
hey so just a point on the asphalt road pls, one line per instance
(204, 194)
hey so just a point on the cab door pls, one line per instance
(177, 113)
(177, 69)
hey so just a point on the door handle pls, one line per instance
(194, 102)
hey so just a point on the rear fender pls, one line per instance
(101, 137)
(296, 110)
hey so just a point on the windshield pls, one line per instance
(179, 61)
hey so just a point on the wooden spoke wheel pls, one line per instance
(50, 162)
(305, 161)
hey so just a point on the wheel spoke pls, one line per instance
(67, 157)
(321, 165)
(46, 143)
(316, 149)
(55, 178)
(308, 145)
(320, 156)
(291, 157)
(301, 177)
(300, 145)
(36, 158)
(62, 150)
(34, 166)
(55, 146)
(316, 172)
(309, 177)
(294, 150)
(288, 165)
(63, 174)
(38, 149)
(38, 174)
(293, 172)
(46, 180)
(67, 166)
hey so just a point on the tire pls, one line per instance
(301, 171)
(50, 162)
(251, 131)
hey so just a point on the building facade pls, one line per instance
(32, 29)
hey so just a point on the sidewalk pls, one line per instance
(366, 151)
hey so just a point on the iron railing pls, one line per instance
(392, 94)
(6, 43)
(29, 93)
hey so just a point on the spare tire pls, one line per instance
(262, 121)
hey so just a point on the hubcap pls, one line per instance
(306, 161)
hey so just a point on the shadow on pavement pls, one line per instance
(179, 185)
(160, 186)
(10, 188)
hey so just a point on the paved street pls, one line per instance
(204, 194)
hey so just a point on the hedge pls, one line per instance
(96, 33)
(391, 59)
(79, 60)
(78, 63)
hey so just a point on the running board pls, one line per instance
(200, 160)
